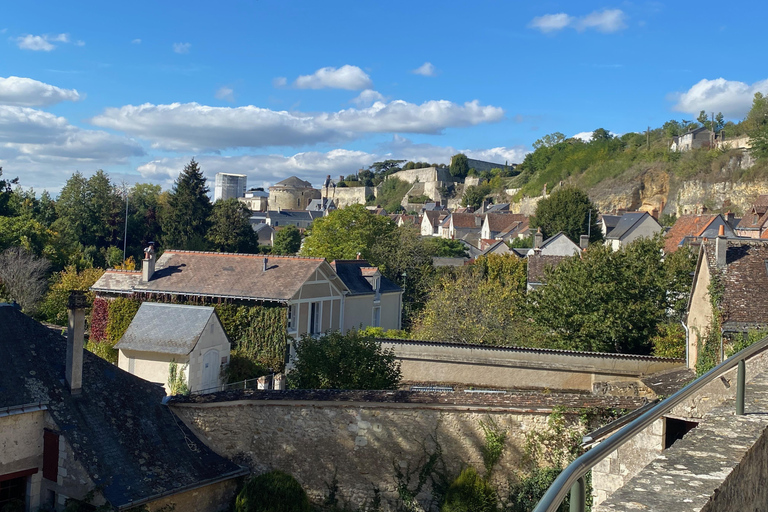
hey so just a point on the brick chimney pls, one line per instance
(76, 305)
(729, 218)
(538, 239)
(721, 247)
(148, 263)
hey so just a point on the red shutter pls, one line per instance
(50, 455)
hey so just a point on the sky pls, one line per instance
(272, 88)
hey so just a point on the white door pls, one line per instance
(210, 370)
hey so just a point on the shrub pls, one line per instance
(274, 491)
(469, 493)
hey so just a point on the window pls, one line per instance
(291, 317)
(13, 491)
(376, 320)
(315, 317)
(50, 455)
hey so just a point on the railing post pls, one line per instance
(578, 496)
(740, 384)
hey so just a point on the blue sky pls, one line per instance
(278, 88)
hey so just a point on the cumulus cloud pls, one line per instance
(181, 47)
(606, 21)
(347, 77)
(191, 126)
(731, 97)
(44, 43)
(26, 92)
(225, 93)
(403, 148)
(426, 69)
(367, 97)
(585, 136)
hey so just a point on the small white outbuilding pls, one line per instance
(191, 336)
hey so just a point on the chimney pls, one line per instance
(75, 333)
(148, 263)
(655, 213)
(584, 242)
(278, 382)
(266, 263)
(721, 247)
(358, 256)
(729, 218)
(538, 239)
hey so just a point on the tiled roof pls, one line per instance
(502, 222)
(538, 264)
(744, 279)
(753, 220)
(761, 204)
(130, 444)
(352, 274)
(117, 281)
(466, 221)
(150, 330)
(686, 226)
(433, 216)
(227, 275)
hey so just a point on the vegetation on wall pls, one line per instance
(274, 491)
(54, 306)
(177, 380)
(391, 194)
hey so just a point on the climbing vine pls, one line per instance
(709, 352)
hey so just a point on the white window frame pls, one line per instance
(376, 317)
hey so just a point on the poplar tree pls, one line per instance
(186, 219)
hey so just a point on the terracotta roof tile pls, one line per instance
(466, 221)
(686, 226)
(502, 222)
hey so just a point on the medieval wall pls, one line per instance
(346, 196)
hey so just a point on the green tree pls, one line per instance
(287, 241)
(346, 232)
(474, 195)
(72, 211)
(337, 361)
(459, 166)
(5, 192)
(601, 134)
(54, 306)
(549, 140)
(230, 230)
(186, 219)
(143, 217)
(445, 248)
(567, 209)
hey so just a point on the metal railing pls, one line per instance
(243, 384)
(572, 478)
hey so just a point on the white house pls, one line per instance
(630, 227)
(191, 336)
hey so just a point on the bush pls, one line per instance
(669, 341)
(526, 493)
(469, 493)
(274, 491)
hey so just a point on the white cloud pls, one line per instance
(191, 126)
(181, 47)
(606, 21)
(585, 136)
(551, 22)
(403, 148)
(367, 97)
(26, 92)
(225, 93)
(732, 98)
(43, 43)
(136, 41)
(279, 81)
(347, 77)
(426, 69)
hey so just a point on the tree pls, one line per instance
(337, 361)
(474, 195)
(601, 134)
(550, 140)
(346, 232)
(459, 166)
(230, 230)
(22, 274)
(287, 241)
(757, 121)
(445, 248)
(54, 306)
(185, 222)
(5, 191)
(568, 210)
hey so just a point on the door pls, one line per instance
(210, 371)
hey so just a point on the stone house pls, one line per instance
(754, 224)
(693, 229)
(72, 424)
(256, 199)
(194, 339)
(694, 139)
(630, 227)
(370, 293)
(739, 267)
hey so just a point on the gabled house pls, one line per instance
(701, 137)
(265, 232)
(299, 218)
(496, 225)
(558, 245)
(324, 205)
(740, 269)
(190, 336)
(607, 223)
(630, 227)
(430, 222)
(371, 296)
(755, 222)
(693, 229)
(72, 424)
(466, 226)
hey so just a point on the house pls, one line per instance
(558, 245)
(256, 199)
(194, 339)
(265, 232)
(502, 225)
(694, 139)
(430, 222)
(607, 223)
(630, 227)
(739, 266)
(465, 226)
(300, 218)
(72, 424)
(537, 267)
(324, 205)
(755, 222)
(371, 296)
(692, 229)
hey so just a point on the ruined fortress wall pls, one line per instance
(423, 175)
(346, 196)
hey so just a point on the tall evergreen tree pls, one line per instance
(5, 191)
(186, 221)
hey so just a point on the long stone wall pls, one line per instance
(362, 439)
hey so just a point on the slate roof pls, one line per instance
(745, 282)
(284, 216)
(686, 226)
(226, 275)
(610, 222)
(151, 331)
(626, 223)
(500, 207)
(293, 182)
(351, 273)
(538, 264)
(117, 281)
(125, 438)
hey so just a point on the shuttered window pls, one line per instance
(50, 455)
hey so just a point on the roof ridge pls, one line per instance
(245, 254)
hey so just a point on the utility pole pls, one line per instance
(125, 232)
